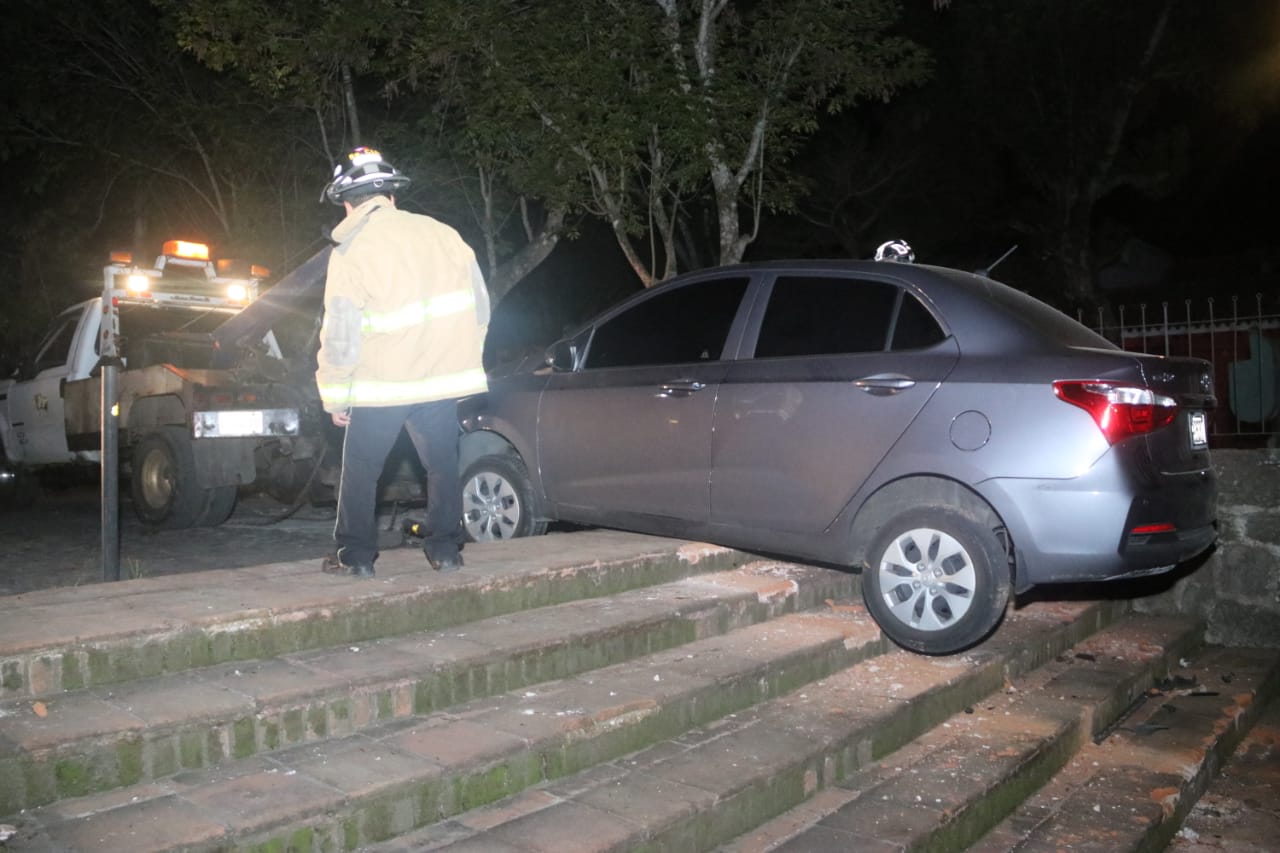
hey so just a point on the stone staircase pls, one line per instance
(594, 691)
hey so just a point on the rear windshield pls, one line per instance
(1044, 319)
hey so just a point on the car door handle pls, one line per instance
(884, 384)
(680, 388)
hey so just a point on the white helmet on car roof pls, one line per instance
(895, 250)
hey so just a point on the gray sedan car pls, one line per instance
(953, 438)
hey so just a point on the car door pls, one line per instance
(35, 401)
(840, 366)
(629, 431)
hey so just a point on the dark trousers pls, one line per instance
(433, 429)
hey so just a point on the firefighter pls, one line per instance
(405, 316)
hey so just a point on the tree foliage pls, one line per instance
(672, 120)
(664, 117)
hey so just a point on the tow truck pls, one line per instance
(212, 397)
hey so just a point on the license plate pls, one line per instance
(1199, 431)
(240, 423)
(237, 423)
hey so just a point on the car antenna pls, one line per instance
(986, 271)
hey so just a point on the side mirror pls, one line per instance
(562, 356)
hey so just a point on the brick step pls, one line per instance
(97, 739)
(711, 781)
(1132, 790)
(346, 791)
(951, 785)
(78, 637)
(1240, 811)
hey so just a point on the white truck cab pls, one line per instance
(32, 417)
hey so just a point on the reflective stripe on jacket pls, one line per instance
(406, 311)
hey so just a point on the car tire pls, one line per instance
(937, 580)
(497, 500)
(162, 481)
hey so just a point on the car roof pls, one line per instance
(983, 314)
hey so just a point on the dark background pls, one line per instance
(974, 160)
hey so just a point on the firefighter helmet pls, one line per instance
(362, 170)
(895, 250)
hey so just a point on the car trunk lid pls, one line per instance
(1182, 446)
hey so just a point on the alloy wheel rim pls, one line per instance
(927, 579)
(491, 508)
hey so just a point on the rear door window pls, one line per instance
(812, 315)
(678, 326)
(816, 315)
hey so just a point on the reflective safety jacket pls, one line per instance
(405, 312)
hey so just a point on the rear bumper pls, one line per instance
(1158, 553)
(1078, 530)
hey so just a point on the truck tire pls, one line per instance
(163, 482)
(219, 506)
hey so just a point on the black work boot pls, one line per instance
(444, 560)
(332, 565)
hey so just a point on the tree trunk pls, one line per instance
(349, 98)
(525, 261)
(629, 251)
(1075, 251)
(730, 229)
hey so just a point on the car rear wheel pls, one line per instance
(937, 581)
(497, 500)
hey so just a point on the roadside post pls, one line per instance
(109, 417)
(110, 469)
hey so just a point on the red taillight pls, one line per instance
(1120, 411)
(1147, 529)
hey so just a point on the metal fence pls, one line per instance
(1239, 335)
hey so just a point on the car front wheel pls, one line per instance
(497, 500)
(937, 580)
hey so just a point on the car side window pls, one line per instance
(816, 315)
(915, 328)
(687, 324)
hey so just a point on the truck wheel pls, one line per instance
(937, 580)
(497, 500)
(163, 481)
(219, 506)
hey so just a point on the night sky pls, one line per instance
(961, 199)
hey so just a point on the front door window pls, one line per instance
(631, 431)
